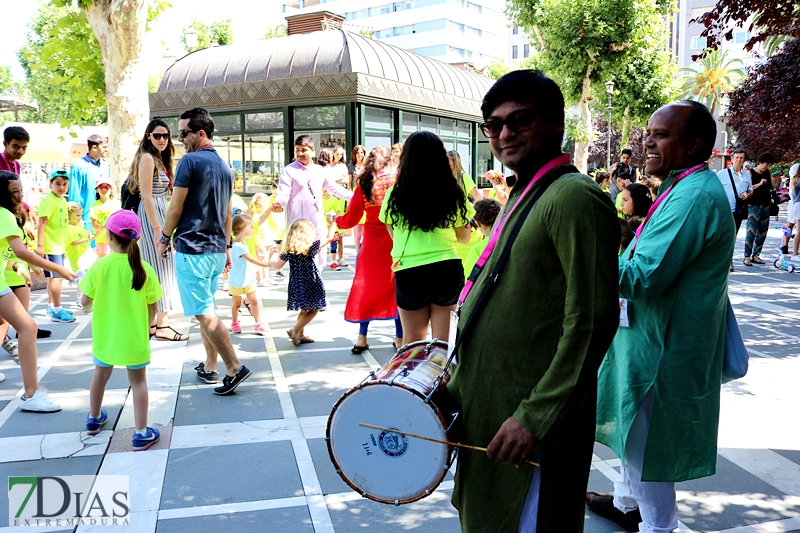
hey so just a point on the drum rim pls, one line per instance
(359, 490)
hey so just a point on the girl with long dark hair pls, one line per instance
(425, 229)
(151, 174)
(11, 310)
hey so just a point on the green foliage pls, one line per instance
(153, 82)
(369, 34)
(712, 77)
(154, 10)
(497, 68)
(577, 131)
(63, 66)
(274, 33)
(218, 32)
(6, 80)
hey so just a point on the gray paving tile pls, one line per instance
(3, 404)
(699, 505)
(202, 406)
(299, 361)
(71, 418)
(792, 455)
(233, 473)
(329, 480)
(433, 514)
(49, 467)
(286, 520)
(604, 452)
(79, 377)
(315, 398)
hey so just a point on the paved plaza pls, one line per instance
(257, 461)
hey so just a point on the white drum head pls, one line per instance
(384, 466)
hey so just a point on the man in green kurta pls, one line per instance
(659, 385)
(527, 367)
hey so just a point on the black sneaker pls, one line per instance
(279, 273)
(229, 383)
(603, 505)
(208, 377)
(41, 334)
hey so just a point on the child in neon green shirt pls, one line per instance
(486, 212)
(79, 249)
(52, 240)
(99, 213)
(123, 290)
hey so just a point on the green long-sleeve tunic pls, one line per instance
(533, 353)
(676, 285)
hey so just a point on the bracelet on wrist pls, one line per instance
(165, 239)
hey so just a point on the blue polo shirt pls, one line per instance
(209, 180)
(83, 175)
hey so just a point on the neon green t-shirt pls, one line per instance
(55, 209)
(474, 254)
(469, 183)
(463, 249)
(9, 228)
(99, 214)
(334, 204)
(120, 318)
(80, 255)
(418, 248)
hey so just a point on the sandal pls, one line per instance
(748, 262)
(757, 260)
(177, 337)
(306, 340)
(152, 332)
(295, 338)
(359, 349)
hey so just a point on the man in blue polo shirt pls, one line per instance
(85, 172)
(200, 216)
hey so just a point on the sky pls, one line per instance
(250, 19)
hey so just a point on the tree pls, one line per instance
(63, 67)
(6, 80)
(764, 109)
(274, 33)
(711, 78)
(218, 32)
(584, 43)
(765, 18)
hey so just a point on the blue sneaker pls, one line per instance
(142, 441)
(50, 312)
(93, 425)
(62, 316)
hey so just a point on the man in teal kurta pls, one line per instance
(659, 385)
(526, 375)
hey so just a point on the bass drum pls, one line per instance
(389, 467)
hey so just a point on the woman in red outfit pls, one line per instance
(372, 296)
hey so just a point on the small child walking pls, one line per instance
(123, 291)
(101, 209)
(306, 291)
(334, 206)
(52, 240)
(242, 276)
(79, 248)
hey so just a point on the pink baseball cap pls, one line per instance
(102, 181)
(124, 223)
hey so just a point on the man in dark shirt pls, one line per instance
(758, 210)
(200, 215)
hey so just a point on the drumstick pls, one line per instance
(457, 445)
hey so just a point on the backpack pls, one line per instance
(129, 200)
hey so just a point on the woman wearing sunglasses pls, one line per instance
(151, 173)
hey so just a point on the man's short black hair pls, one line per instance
(767, 158)
(700, 123)
(526, 87)
(15, 133)
(305, 140)
(200, 120)
(486, 211)
(739, 151)
(627, 151)
(95, 140)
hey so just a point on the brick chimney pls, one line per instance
(311, 22)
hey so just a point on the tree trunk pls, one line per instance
(585, 123)
(624, 139)
(120, 28)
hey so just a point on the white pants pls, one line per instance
(527, 521)
(656, 500)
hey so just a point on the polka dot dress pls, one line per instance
(306, 290)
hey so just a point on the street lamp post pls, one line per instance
(190, 35)
(610, 91)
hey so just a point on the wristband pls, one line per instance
(165, 239)
(228, 246)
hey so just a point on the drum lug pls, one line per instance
(364, 494)
(452, 422)
(403, 372)
(371, 375)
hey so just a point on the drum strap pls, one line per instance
(547, 180)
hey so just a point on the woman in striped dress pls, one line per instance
(150, 171)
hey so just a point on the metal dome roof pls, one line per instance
(315, 54)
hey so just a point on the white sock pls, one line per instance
(49, 305)
(141, 431)
(58, 309)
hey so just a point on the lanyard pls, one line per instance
(498, 227)
(661, 198)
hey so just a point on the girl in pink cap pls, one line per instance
(123, 290)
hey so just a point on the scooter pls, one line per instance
(781, 261)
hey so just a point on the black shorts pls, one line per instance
(437, 283)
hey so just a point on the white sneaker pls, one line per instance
(265, 282)
(343, 263)
(795, 259)
(10, 347)
(2, 377)
(41, 403)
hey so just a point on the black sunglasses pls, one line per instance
(160, 136)
(518, 122)
(183, 133)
